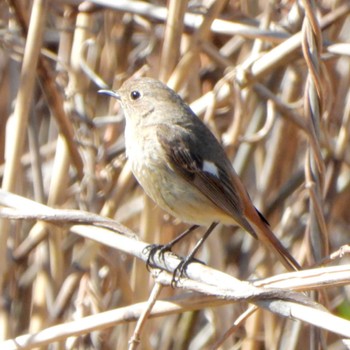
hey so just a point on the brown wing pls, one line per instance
(187, 155)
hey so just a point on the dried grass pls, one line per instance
(271, 79)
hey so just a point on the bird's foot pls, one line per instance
(154, 249)
(180, 270)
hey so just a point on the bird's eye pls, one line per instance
(135, 95)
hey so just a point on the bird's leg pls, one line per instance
(161, 249)
(181, 268)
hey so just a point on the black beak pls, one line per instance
(110, 93)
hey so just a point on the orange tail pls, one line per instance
(255, 223)
(264, 234)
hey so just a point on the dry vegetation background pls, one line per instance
(270, 78)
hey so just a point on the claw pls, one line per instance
(152, 250)
(180, 270)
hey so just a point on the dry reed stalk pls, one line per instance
(270, 80)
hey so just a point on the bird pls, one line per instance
(183, 168)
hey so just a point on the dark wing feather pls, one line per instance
(187, 153)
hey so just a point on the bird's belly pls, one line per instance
(167, 188)
(176, 195)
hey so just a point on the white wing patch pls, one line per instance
(211, 168)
